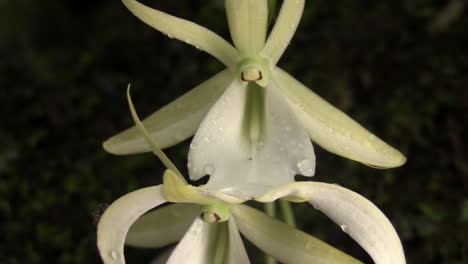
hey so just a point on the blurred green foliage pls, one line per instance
(64, 67)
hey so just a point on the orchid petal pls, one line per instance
(196, 245)
(248, 24)
(283, 242)
(284, 29)
(119, 216)
(237, 253)
(356, 215)
(163, 226)
(185, 31)
(334, 130)
(260, 148)
(174, 122)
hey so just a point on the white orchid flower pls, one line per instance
(198, 220)
(252, 122)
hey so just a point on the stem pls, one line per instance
(221, 243)
(287, 213)
(270, 209)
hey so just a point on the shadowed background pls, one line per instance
(397, 67)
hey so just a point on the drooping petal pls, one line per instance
(248, 24)
(196, 245)
(283, 242)
(356, 215)
(186, 31)
(119, 216)
(163, 226)
(284, 29)
(237, 253)
(334, 130)
(174, 122)
(248, 147)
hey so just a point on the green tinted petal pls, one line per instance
(163, 226)
(119, 216)
(355, 215)
(174, 122)
(283, 242)
(185, 31)
(334, 130)
(284, 29)
(247, 24)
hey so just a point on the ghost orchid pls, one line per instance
(207, 223)
(252, 121)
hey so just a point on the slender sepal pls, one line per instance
(185, 31)
(334, 130)
(283, 242)
(248, 24)
(174, 122)
(283, 30)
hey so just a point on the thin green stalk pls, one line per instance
(221, 243)
(287, 213)
(270, 209)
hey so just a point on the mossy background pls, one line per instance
(64, 67)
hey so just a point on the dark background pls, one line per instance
(397, 67)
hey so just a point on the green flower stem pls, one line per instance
(221, 243)
(287, 213)
(270, 209)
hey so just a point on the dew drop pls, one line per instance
(287, 128)
(344, 228)
(306, 167)
(308, 244)
(209, 169)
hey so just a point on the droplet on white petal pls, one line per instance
(246, 168)
(306, 167)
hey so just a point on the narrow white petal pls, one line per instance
(119, 216)
(247, 24)
(356, 215)
(284, 29)
(237, 253)
(186, 31)
(196, 245)
(174, 122)
(239, 166)
(283, 242)
(163, 226)
(334, 130)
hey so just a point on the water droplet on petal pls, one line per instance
(306, 167)
(344, 228)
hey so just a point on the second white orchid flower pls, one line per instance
(252, 122)
(193, 220)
